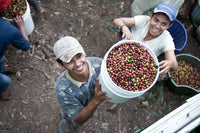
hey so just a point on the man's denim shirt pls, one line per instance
(73, 95)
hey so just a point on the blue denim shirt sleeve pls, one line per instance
(9, 34)
(73, 99)
(19, 41)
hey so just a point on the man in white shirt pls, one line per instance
(152, 31)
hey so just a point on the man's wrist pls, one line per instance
(95, 102)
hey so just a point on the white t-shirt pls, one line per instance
(158, 45)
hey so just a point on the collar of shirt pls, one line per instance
(78, 83)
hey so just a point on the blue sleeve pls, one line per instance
(9, 34)
(18, 41)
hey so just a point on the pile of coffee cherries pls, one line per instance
(17, 7)
(186, 74)
(131, 67)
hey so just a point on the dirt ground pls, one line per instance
(34, 108)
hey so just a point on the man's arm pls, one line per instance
(122, 24)
(20, 24)
(169, 64)
(88, 110)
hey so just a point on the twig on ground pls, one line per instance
(44, 73)
(119, 120)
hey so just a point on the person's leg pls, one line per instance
(4, 83)
(37, 7)
(8, 69)
(2, 68)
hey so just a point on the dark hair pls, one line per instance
(163, 14)
(59, 61)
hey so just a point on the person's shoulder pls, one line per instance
(166, 40)
(143, 17)
(141, 21)
(6, 25)
(95, 64)
(61, 81)
(94, 61)
(62, 76)
(3, 21)
(166, 34)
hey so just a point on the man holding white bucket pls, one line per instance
(9, 34)
(77, 89)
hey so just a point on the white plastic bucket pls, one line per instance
(28, 21)
(117, 94)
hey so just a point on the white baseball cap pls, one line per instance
(66, 48)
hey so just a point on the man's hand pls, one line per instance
(126, 34)
(99, 96)
(19, 22)
(165, 66)
(88, 110)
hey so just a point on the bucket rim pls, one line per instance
(150, 52)
(186, 86)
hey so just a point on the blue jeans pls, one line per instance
(4, 80)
